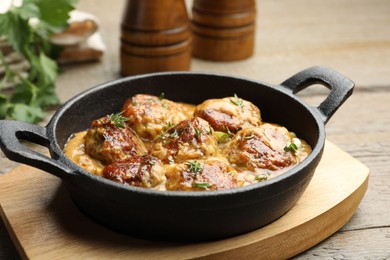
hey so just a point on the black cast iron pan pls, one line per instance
(168, 215)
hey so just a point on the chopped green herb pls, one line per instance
(162, 135)
(197, 132)
(162, 95)
(261, 177)
(194, 166)
(118, 120)
(222, 137)
(174, 134)
(250, 136)
(237, 101)
(165, 105)
(293, 146)
(203, 185)
(166, 137)
(169, 124)
(228, 132)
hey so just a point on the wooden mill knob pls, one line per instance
(223, 30)
(155, 36)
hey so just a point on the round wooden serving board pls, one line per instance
(44, 223)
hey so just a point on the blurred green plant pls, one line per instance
(28, 28)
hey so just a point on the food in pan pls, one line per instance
(229, 114)
(157, 143)
(147, 115)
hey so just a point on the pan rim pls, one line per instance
(291, 173)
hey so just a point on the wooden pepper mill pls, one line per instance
(155, 36)
(223, 30)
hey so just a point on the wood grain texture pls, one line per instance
(361, 127)
(358, 244)
(223, 30)
(351, 36)
(151, 40)
(55, 226)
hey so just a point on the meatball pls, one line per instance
(263, 147)
(149, 115)
(229, 114)
(109, 140)
(190, 139)
(141, 171)
(211, 174)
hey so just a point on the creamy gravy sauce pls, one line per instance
(75, 151)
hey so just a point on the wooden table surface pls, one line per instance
(350, 36)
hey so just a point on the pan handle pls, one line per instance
(340, 87)
(11, 134)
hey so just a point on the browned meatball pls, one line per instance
(264, 147)
(109, 140)
(229, 114)
(201, 175)
(141, 171)
(190, 139)
(149, 115)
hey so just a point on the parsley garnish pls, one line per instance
(32, 94)
(169, 124)
(161, 96)
(194, 166)
(229, 132)
(118, 120)
(293, 146)
(261, 177)
(203, 185)
(174, 134)
(237, 101)
(222, 137)
(197, 132)
(247, 137)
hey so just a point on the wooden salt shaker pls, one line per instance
(155, 36)
(223, 30)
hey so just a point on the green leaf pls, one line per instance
(23, 92)
(29, 10)
(203, 185)
(262, 177)
(4, 106)
(27, 113)
(47, 97)
(55, 14)
(118, 120)
(44, 70)
(293, 146)
(194, 166)
(49, 68)
(237, 101)
(222, 137)
(17, 31)
(37, 91)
